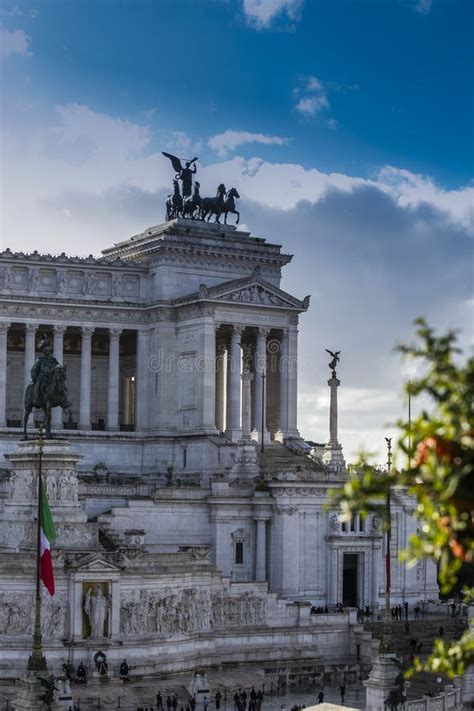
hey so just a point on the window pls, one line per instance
(185, 457)
(344, 527)
(361, 523)
(353, 523)
(239, 553)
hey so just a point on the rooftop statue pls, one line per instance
(47, 388)
(184, 174)
(335, 360)
(188, 202)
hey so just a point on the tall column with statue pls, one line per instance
(333, 451)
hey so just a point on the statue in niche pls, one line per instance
(6, 277)
(33, 280)
(61, 282)
(90, 283)
(116, 285)
(96, 606)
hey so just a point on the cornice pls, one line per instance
(33, 258)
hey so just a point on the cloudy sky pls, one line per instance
(346, 126)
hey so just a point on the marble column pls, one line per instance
(247, 378)
(260, 398)
(3, 373)
(207, 374)
(113, 384)
(30, 333)
(234, 429)
(58, 349)
(260, 558)
(283, 400)
(333, 383)
(333, 454)
(142, 387)
(292, 380)
(86, 367)
(220, 366)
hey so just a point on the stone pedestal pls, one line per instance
(62, 487)
(29, 696)
(381, 681)
(246, 462)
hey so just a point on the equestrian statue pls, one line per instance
(47, 388)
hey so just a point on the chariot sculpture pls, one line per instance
(187, 201)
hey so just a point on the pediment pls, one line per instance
(95, 563)
(252, 290)
(255, 294)
(256, 291)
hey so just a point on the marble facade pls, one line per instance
(181, 352)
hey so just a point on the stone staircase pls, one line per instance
(277, 457)
(108, 538)
(425, 630)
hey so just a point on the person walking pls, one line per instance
(218, 698)
(320, 698)
(342, 690)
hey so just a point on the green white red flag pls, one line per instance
(47, 537)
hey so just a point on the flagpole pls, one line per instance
(37, 661)
(409, 424)
(387, 631)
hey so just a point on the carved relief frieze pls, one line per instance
(17, 615)
(178, 611)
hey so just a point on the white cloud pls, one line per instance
(314, 84)
(411, 190)
(312, 97)
(15, 42)
(312, 105)
(423, 6)
(228, 141)
(261, 13)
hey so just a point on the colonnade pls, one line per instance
(228, 389)
(85, 372)
(220, 400)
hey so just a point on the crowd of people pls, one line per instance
(255, 699)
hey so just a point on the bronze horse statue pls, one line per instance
(54, 395)
(174, 203)
(192, 204)
(229, 205)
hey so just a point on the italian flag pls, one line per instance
(47, 536)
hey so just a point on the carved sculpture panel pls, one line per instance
(189, 610)
(17, 615)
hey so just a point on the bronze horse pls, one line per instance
(174, 203)
(222, 203)
(55, 395)
(192, 204)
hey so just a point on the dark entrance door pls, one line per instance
(349, 580)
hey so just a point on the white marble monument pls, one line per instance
(176, 542)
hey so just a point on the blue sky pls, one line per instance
(397, 74)
(346, 125)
